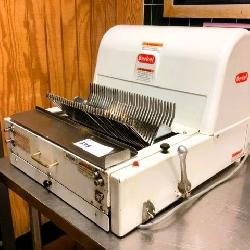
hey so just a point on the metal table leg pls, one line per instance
(6, 219)
(35, 227)
(6, 223)
(1, 143)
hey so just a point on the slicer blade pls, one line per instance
(132, 118)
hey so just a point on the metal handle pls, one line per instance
(11, 129)
(184, 185)
(36, 157)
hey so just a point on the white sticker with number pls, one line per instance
(93, 147)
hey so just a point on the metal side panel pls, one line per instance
(75, 173)
(71, 198)
(156, 178)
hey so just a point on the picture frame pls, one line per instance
(196, 8)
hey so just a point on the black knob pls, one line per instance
(99, 196)
(99, 181)
(164, 148)
(47, 184)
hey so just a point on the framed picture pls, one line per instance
(207, 8)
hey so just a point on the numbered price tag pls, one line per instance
(93, 147)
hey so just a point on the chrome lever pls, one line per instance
(184, 186)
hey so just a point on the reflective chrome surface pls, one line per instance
(219, 220)
(134, 118)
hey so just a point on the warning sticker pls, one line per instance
(153, 46)
(93, 147)
(147, 62)
(145, 67)
(145, 75)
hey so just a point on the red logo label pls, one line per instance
(146, 58)
(241, 77)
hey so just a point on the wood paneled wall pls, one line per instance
(51, 45)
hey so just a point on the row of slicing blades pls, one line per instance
(132, 118)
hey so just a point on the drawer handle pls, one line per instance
(36, 157)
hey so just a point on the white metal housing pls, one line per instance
(194, 67)
(205, 72)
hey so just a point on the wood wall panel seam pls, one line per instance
(98, 27)
(83, 17)
(69, 42)
(46, 46)
(29, 66)
(110, 13)
(54, 46)
(77, 47)
(64, 90)
(37, 44)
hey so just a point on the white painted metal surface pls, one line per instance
(205, 71)
(194, 67)
(156, 179)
